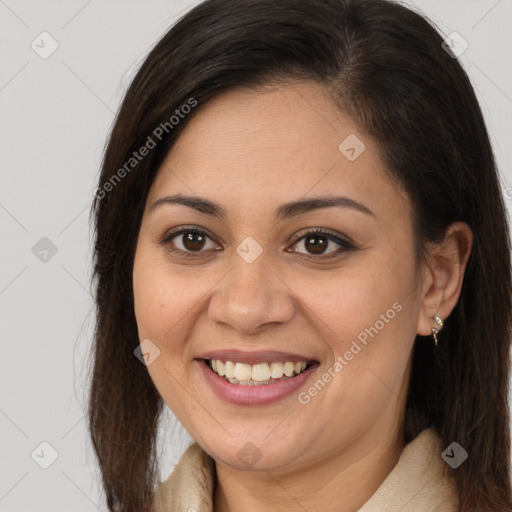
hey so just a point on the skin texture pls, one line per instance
(250, 151)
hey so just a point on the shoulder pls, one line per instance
(190, 486)
(421, 481)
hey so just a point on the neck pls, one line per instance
(341, 483)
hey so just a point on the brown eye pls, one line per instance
(316, 244)
(319, 243)
(188, 241)
(193, 241)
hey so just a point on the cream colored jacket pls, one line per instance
(419, 482)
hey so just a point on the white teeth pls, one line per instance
(276, 370)
(288, 369)
(229, 369)
(243, 371)
(262, 373)
(255, 383)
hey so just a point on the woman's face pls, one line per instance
(256, 280)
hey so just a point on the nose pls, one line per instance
(251, 298)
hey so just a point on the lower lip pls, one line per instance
(240, 394)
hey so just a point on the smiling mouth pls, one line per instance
(257, 374)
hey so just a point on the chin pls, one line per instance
(251, 452)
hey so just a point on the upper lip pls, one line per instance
(265, 356)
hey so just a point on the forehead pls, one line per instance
(251, 148)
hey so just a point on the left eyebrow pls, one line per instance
(285, 211)
(295, 208)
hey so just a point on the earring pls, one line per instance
(435, 331)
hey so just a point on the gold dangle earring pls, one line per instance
(435, 331)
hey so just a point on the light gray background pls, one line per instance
(55, 117)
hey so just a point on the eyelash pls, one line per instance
(345, 244)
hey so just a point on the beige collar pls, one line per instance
(419, 482)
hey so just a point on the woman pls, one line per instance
(302, 250)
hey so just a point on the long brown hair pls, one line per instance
(387, 69)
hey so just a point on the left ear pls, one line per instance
(444, 275)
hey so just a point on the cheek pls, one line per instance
(168, 301)
(370, 306)
(157, 298)
(344, 302)
(162, 304)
